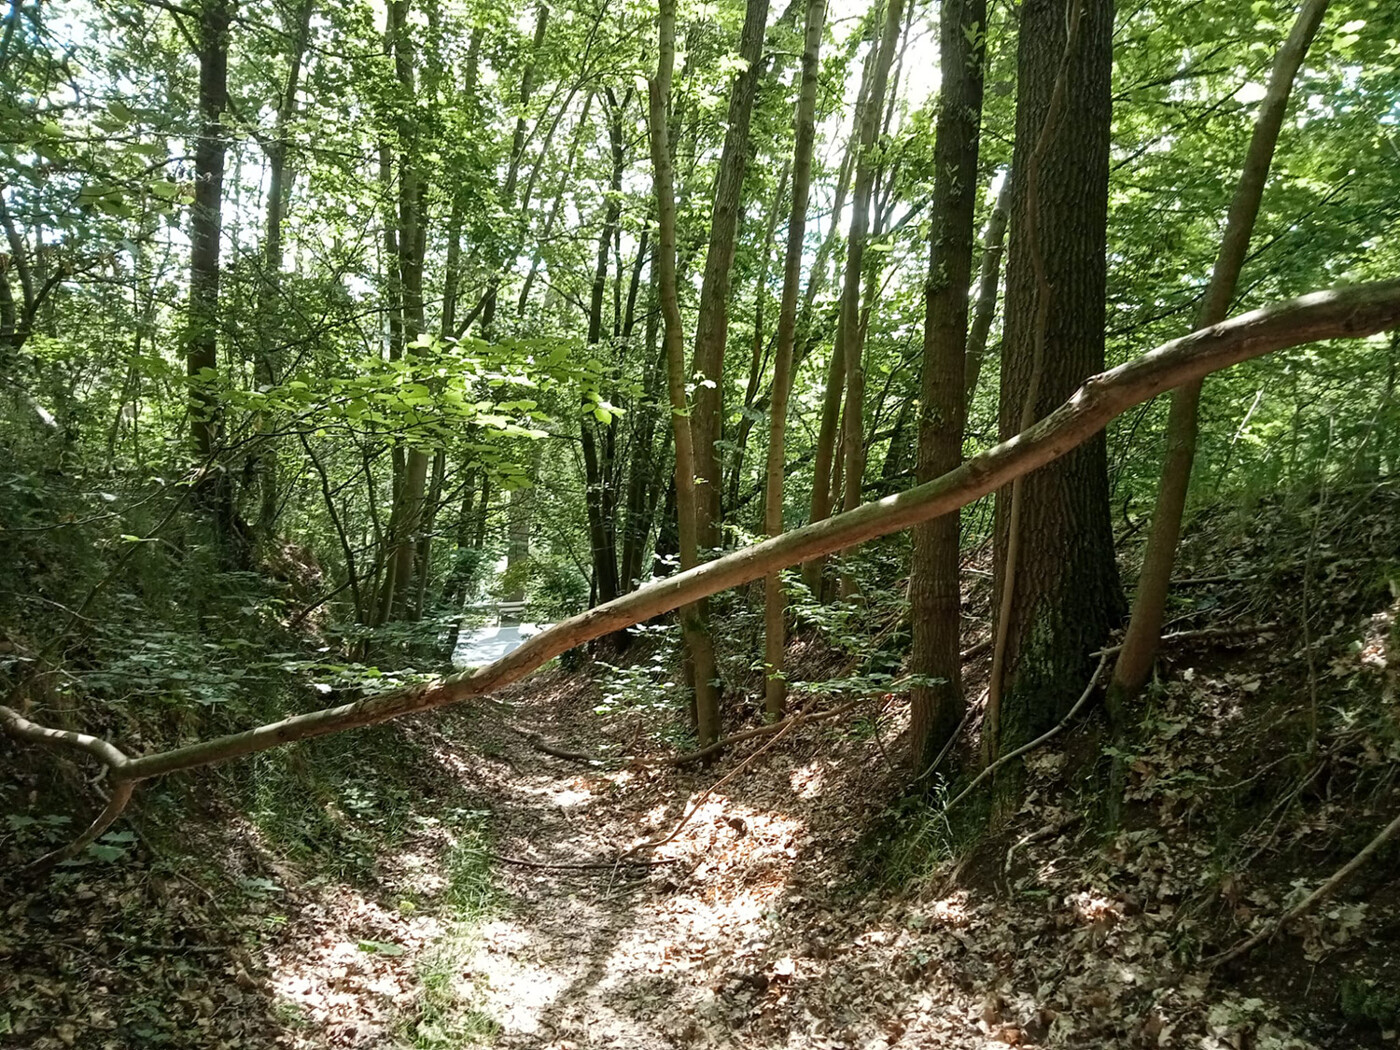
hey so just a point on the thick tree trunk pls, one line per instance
(935, 595)
(712, 322)
(775, 602)
(1353, 312)
(1145, 628)
(694, 632)
(1054, 567)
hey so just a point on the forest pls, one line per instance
(805, 524)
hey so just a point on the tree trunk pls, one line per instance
(935, 594)
(757, 348)
(775, 603)
(215, 488)
(711, 325)
(694, 632)
(828, 429)
(1054, 566)
(517, 149)
(1145, 628)
(867, 165)
(267, 363)
(599, 470)
(408, 508)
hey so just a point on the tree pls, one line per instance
(774, 605)
(935, 595)
(698, 647)
(202, 336)
(1134, 661)
(1054, 572)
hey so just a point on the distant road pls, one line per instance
(483, 645)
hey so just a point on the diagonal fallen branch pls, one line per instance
(1312, 900)
(1357, 311)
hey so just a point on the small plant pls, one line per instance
(1366, 1001)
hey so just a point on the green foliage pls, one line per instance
(1366, 1002)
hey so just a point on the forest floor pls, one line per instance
(802, 904)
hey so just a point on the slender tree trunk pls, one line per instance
(643, 470)
(828, 429)
(775, 602)
(1145, 627)
(993, 237)
(1054, 566)
(758, 357)
(598, 470)
(853, 333)
(935, 591)
(517, 149)
(711, 325)
(267, 363)
(408, 505)
(460, 195)
(565, 179)
(695, 634)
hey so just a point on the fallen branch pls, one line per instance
(1201, 635)
(749, 734)
(1357, 311)
(1044, 738)
(1312, 900)
(540, 744)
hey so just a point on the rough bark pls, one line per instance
(1354, 312)
(775, 603)
(1054, 566)
(1149, 604)
(935, 603)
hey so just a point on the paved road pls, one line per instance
(482, 645)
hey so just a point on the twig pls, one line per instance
(1312, 900)
(622, 861)
(787, 726)
(1045, 737)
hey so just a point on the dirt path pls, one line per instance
(674, 951)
